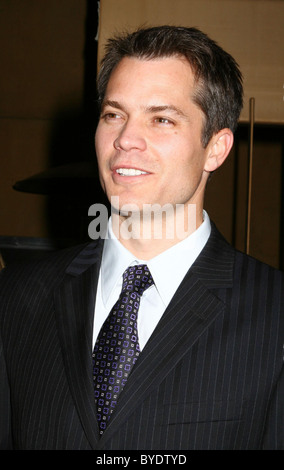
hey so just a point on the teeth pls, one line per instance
(130, 172)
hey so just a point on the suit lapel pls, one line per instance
(74, 304)
(191, 311)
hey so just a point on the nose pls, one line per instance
(130, 138)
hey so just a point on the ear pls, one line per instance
(218, 149)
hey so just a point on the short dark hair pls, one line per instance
(219, 90)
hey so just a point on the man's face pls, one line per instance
(148, 140)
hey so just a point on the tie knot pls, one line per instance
(137, 279)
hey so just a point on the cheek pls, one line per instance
(102, 145)
(99, 138)
(184, 170)
(177, 156)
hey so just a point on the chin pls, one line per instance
(123, 205)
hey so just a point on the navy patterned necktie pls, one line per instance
(117, 347)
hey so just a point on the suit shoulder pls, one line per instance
(47, 271)
(259, 287)
(239, 258)
(249, 263)
(231, 267)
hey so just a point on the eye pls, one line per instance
(110, 116)
(163, 120)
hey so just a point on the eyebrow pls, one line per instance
(149, 109)
(159, 109)
(112, 104)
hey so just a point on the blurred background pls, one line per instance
(48, 176)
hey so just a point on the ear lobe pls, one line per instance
(218, 149)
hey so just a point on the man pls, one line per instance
(209, 354)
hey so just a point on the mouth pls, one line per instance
(130, 172)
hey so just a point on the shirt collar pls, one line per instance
(116, 258)
(168, 268)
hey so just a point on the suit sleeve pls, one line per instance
(5, 414)
(5, 405)
(274, 430)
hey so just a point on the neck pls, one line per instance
(148, 234)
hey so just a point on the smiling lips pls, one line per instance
(130, 172)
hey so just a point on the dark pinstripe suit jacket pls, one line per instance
(210, 377)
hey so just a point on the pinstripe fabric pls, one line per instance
(210, 377)
(44, 415)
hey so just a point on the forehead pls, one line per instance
(141, 77)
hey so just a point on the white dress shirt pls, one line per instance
(167, 269)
